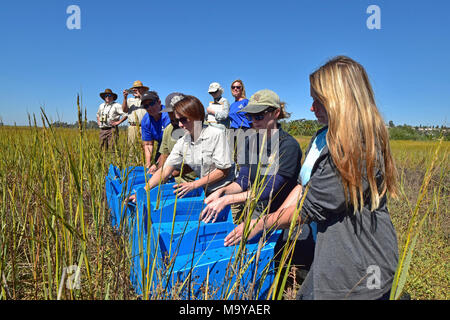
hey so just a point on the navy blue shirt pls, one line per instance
(238, 119)
(152, 129)
(284, 179)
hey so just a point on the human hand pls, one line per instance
(125, 93)
(184, 188)
(214, 196)
(152, 169)
(235, 236)
(131, 198)
(213, 209)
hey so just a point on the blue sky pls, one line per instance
(184, 45)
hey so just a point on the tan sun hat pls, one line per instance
(138, 84)
(108, 91)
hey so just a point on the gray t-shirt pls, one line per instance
(356, 254)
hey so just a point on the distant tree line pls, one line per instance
(407, 132)
(303, 127)
(89, 125)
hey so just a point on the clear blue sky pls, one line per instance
(184, 45)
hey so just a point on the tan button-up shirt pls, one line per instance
(210, 151)
(135, 111)
(109, 112)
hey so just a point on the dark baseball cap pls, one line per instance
(170, 101)
(151, 96)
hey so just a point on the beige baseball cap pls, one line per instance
(262, 100)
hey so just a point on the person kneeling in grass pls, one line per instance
(348, 171)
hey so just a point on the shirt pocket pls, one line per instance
(207, 150)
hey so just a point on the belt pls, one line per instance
(109, 128)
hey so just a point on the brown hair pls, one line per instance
(283, 113)
(191, 108)
(243, 87)
(357, 136)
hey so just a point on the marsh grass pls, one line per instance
(53, 215)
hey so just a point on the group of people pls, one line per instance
(348, 168)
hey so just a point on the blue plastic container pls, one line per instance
(200, 253)
(171, 246)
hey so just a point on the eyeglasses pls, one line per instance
(236, 87)
(108, 95)
(258, 116)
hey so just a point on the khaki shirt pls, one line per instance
(109, 112)
(210, 151)
(167, 144)
(135, 111)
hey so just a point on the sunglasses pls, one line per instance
(108, 95)
(183, 120)
(258, 116)
(151, 104)
(236, 87)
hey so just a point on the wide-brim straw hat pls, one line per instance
(102, 94)
(138, 84)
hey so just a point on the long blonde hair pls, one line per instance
(357, 137)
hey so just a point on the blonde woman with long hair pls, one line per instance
(346, 174)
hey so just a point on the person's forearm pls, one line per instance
(148, 151)
(162, 159)
(160, 175)
(212, 177)
(125, 105)
(240, 197)
(232, 188)
(281, 219)
(122, 120)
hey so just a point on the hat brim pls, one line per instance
(102, 95)
(254, 108)
(166, 109)
(146, 88)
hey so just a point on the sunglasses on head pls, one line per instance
(236, 87)
(258, 116)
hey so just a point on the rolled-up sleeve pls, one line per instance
(223, 114)
(175, 158)
(221, 155)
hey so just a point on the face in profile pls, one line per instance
(319, 110)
